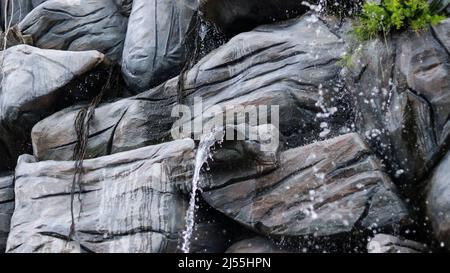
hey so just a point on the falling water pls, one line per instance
(207, 141)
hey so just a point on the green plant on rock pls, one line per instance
(392, 15)
(348, 58)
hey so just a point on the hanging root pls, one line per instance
(191, 45)
(82, 130)
(13, 36)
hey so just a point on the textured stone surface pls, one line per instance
(125, 6)
(326, 188)
(288, 64)
(129, 202)
(13, 11)
(35, 84)
(155, 43)
(402, 90)
(383, 243)
(440, 5)
(6, 207)
(438, 201)
(78, 26)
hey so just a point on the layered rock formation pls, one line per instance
(127, 202)
(77, 26)
(35, 84)
(402, 93)
(6, 207)
(13, 11)
(285, 64)
(322, 189)
(337, 123)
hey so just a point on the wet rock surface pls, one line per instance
(6, 207)
(127, 202)
(155, 45)
(438, 203)
(325, 188)
(402, 94)
(35, 84)
(384, 243)
(346, 120)
(285, 64)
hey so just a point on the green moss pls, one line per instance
(347, 60)
(393, 15)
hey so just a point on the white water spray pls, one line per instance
(207, 141)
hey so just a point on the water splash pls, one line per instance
(207, 141)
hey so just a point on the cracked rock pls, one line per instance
(291, 64)
(402, 91)
(127, 202)
(35, 84)
(326, 188)
(6, 207)
(13, 11)
(77, 26)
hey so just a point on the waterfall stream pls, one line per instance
(207, 141)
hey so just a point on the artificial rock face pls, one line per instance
(438, 201)
(156, 40)
(127, 202)
(6, 207)
(13, 11)
(125, 6)
(292, 65)
(322, 189)
(402, 94)
(34, 84)
(77, 26)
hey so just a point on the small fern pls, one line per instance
(394, 15)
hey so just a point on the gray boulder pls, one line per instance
(384, 243)
(291, 64)
(155, 43)
(402, 91)
(125, 6)
(326, 188)
(78, 26)
(6, 207)
(35, 84)
(442, 6)
(438, 201)
(127, 202)
(13, 11)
